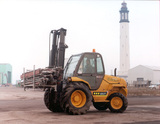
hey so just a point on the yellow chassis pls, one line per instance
(108, 86)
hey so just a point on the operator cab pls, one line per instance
(87, 66)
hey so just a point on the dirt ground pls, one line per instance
(27, 107)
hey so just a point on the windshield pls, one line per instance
(71, 65)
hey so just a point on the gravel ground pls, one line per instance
(27, 107)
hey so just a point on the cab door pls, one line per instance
(100, 72)
(87, 69)
(91, 69)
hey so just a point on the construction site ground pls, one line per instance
(27, 107)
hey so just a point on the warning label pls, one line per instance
(99, 93)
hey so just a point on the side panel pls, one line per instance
(76, 79)
(109, 85)
(101, 94)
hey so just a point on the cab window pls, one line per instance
(87, 65)
(99, 65)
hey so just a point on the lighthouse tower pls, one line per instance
(124, 41)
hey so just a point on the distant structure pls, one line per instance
(143, 75)
(124, 42)
(5, 74)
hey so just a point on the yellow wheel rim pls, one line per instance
(116, 102)
(78, 98)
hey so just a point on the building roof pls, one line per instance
(154, 68)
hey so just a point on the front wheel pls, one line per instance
(76, 98)
(118, 103)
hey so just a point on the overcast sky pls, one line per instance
(25, 27)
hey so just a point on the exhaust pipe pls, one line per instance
(115, 72)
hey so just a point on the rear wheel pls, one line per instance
(76, 98)
(51, 101)
(118, 103)
(100, 105)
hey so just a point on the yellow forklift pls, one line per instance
(82, 82)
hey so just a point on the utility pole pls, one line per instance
(34, 77)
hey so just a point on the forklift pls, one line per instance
(81, 82)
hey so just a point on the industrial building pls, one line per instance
(5, 74)
(143, 75)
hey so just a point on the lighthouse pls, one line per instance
(124, 41)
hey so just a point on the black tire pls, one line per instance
(118, 108)
(51, 101)
(67, 103)
(100, 105)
